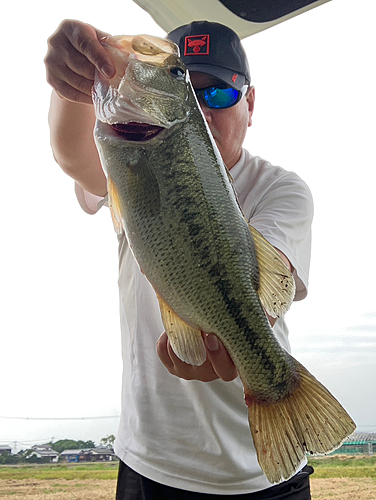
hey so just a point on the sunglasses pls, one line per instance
(220, 96)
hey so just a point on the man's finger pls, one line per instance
(179, 368)
(80, 65)
(220, 359)
(85, 39)
(163, 353)
(70, 78)
(217, 365)
(70, 93)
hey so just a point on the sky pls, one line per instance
(60, 365)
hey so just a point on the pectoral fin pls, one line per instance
(185, 341)
(114, 204)
(276, 283)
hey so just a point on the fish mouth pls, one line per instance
(138, 132)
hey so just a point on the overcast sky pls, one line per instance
(315, 115)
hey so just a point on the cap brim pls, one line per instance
(236, 80)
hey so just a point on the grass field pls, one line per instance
(343, 478)
(335, 478)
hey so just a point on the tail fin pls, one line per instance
(310, 420)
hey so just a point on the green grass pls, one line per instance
(344, 466)
(68, 472)
(325, 467)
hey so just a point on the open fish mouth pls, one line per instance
(138, 132)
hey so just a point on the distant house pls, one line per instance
(44, 452)
(100, 454)
(5, 449)
(82, 455)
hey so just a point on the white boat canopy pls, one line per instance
(246, 17)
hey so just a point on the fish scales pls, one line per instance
(202, 246)
(172, 195)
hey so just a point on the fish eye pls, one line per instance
(177, 72)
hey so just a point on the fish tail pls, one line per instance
(307, 421)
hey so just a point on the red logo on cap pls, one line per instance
(196, 45)
(234, 77)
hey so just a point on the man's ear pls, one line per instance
(250, 96)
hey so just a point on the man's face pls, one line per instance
(228, 126)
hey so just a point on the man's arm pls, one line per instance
(74, 52)
(73, 146)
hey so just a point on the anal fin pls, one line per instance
(277, 285)
(185, 341)
(308, 421)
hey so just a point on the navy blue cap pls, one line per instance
(214, 49)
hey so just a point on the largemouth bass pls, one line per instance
(172, 195)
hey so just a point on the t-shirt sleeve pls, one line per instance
(283, 216)
(89, 202)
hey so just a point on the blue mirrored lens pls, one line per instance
(216, 97)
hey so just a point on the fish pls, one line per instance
(212, 272)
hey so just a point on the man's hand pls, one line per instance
(74, 51)
(218, 363)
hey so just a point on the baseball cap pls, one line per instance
(214, 49)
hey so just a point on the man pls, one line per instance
(179, 437)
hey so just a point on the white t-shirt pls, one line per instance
(189, 434)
